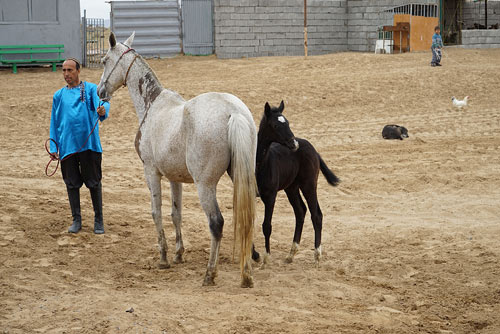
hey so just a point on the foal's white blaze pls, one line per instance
(282, 119)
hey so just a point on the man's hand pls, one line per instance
(101, 111)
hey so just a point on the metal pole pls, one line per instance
(84, 23)
(305, 28)
(400, 41)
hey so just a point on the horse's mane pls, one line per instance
(146, 65)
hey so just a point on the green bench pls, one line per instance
(30, 54)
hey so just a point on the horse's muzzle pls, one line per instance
(293, 145)
(103, 94)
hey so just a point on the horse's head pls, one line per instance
(116, 64)
(275, 127)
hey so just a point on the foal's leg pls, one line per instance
(176, 192)
(153, 179)
(311, 196)
(299, 209)
(269, 201)
(208, 201)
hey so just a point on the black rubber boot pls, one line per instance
(74, 203)
(96, 195)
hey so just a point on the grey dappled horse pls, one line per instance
(189, 141)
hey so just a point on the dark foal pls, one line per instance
(285, 162)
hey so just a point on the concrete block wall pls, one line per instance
(481, 39)
(474, 13)
(253, 28)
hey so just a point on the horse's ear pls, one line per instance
(130, 40)
(267, 109)
(282, 106)
(112, 40)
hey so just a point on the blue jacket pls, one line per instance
(437, 41)
(72, 119)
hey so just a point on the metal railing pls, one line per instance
(426, 10)
(93, 41)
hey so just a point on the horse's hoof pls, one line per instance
(208, 281)
(178, 259)
(247, 282)
(289, 259)
(164, 265)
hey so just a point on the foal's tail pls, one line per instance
(329, 176)
(242, 142)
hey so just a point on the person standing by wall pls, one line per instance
(437, 45)
(74, 134)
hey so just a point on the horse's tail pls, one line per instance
(242, 141)
(329, 176)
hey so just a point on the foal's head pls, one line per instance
(274, 127)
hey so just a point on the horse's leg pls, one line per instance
(208, 201)
(311, 196)
(299, 209)
(176, 192)
(269, 200)
(153, 179)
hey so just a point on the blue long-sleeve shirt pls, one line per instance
(72, 120)
(437, 41)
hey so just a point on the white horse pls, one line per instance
(189, 141)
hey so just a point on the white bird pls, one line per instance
(460, 103)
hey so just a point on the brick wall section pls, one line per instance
(254, 28)
(480, 39)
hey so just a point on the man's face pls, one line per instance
(71, 74)
(438, 31)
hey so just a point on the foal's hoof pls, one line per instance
(289, 259)
(256, 257)
(163, 265)
(317, 256)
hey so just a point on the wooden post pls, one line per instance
(305, 28)
(485, 14)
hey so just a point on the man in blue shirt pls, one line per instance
(74, 130)
(437, 44)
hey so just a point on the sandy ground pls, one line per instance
(410, 238)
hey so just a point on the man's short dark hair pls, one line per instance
(76, 62)
(436, 28)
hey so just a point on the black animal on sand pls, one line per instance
(285, 162)
(394, 132)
